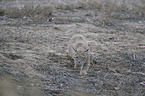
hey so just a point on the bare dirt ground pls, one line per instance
(34, 59)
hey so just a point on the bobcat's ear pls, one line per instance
(74, 49)
(86, 50)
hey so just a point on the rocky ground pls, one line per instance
(34, 59)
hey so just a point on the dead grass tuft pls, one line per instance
(64, 6)
(14, 12)
(29, 10)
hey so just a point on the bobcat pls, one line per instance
(78, 49)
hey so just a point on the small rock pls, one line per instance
(140, 21)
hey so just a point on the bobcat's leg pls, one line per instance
(84, 68)
(75, 64)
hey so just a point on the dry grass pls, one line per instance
(129, 86)
(105, 15)
(29, 10)
(107, 11)
(110, 11)
(9, 88)
(89, 4)
(104, 12)
(6, 88)
(80, 4)
(139, 10)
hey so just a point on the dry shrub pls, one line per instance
(143, 8)
(14, 12)
(2, 12)
(31, 11)
(62, 5)
(106, 13)
(138, 11)
(88, 4)
(109, 11)
(79, 4)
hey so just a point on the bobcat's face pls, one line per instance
(81, 57)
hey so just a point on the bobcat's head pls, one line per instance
(80, 57)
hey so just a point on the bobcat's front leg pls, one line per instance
(75, 64)
(84, 68)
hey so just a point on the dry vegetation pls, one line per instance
(33, 52)
(6, 89)
(31, 11)
(104, 12)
